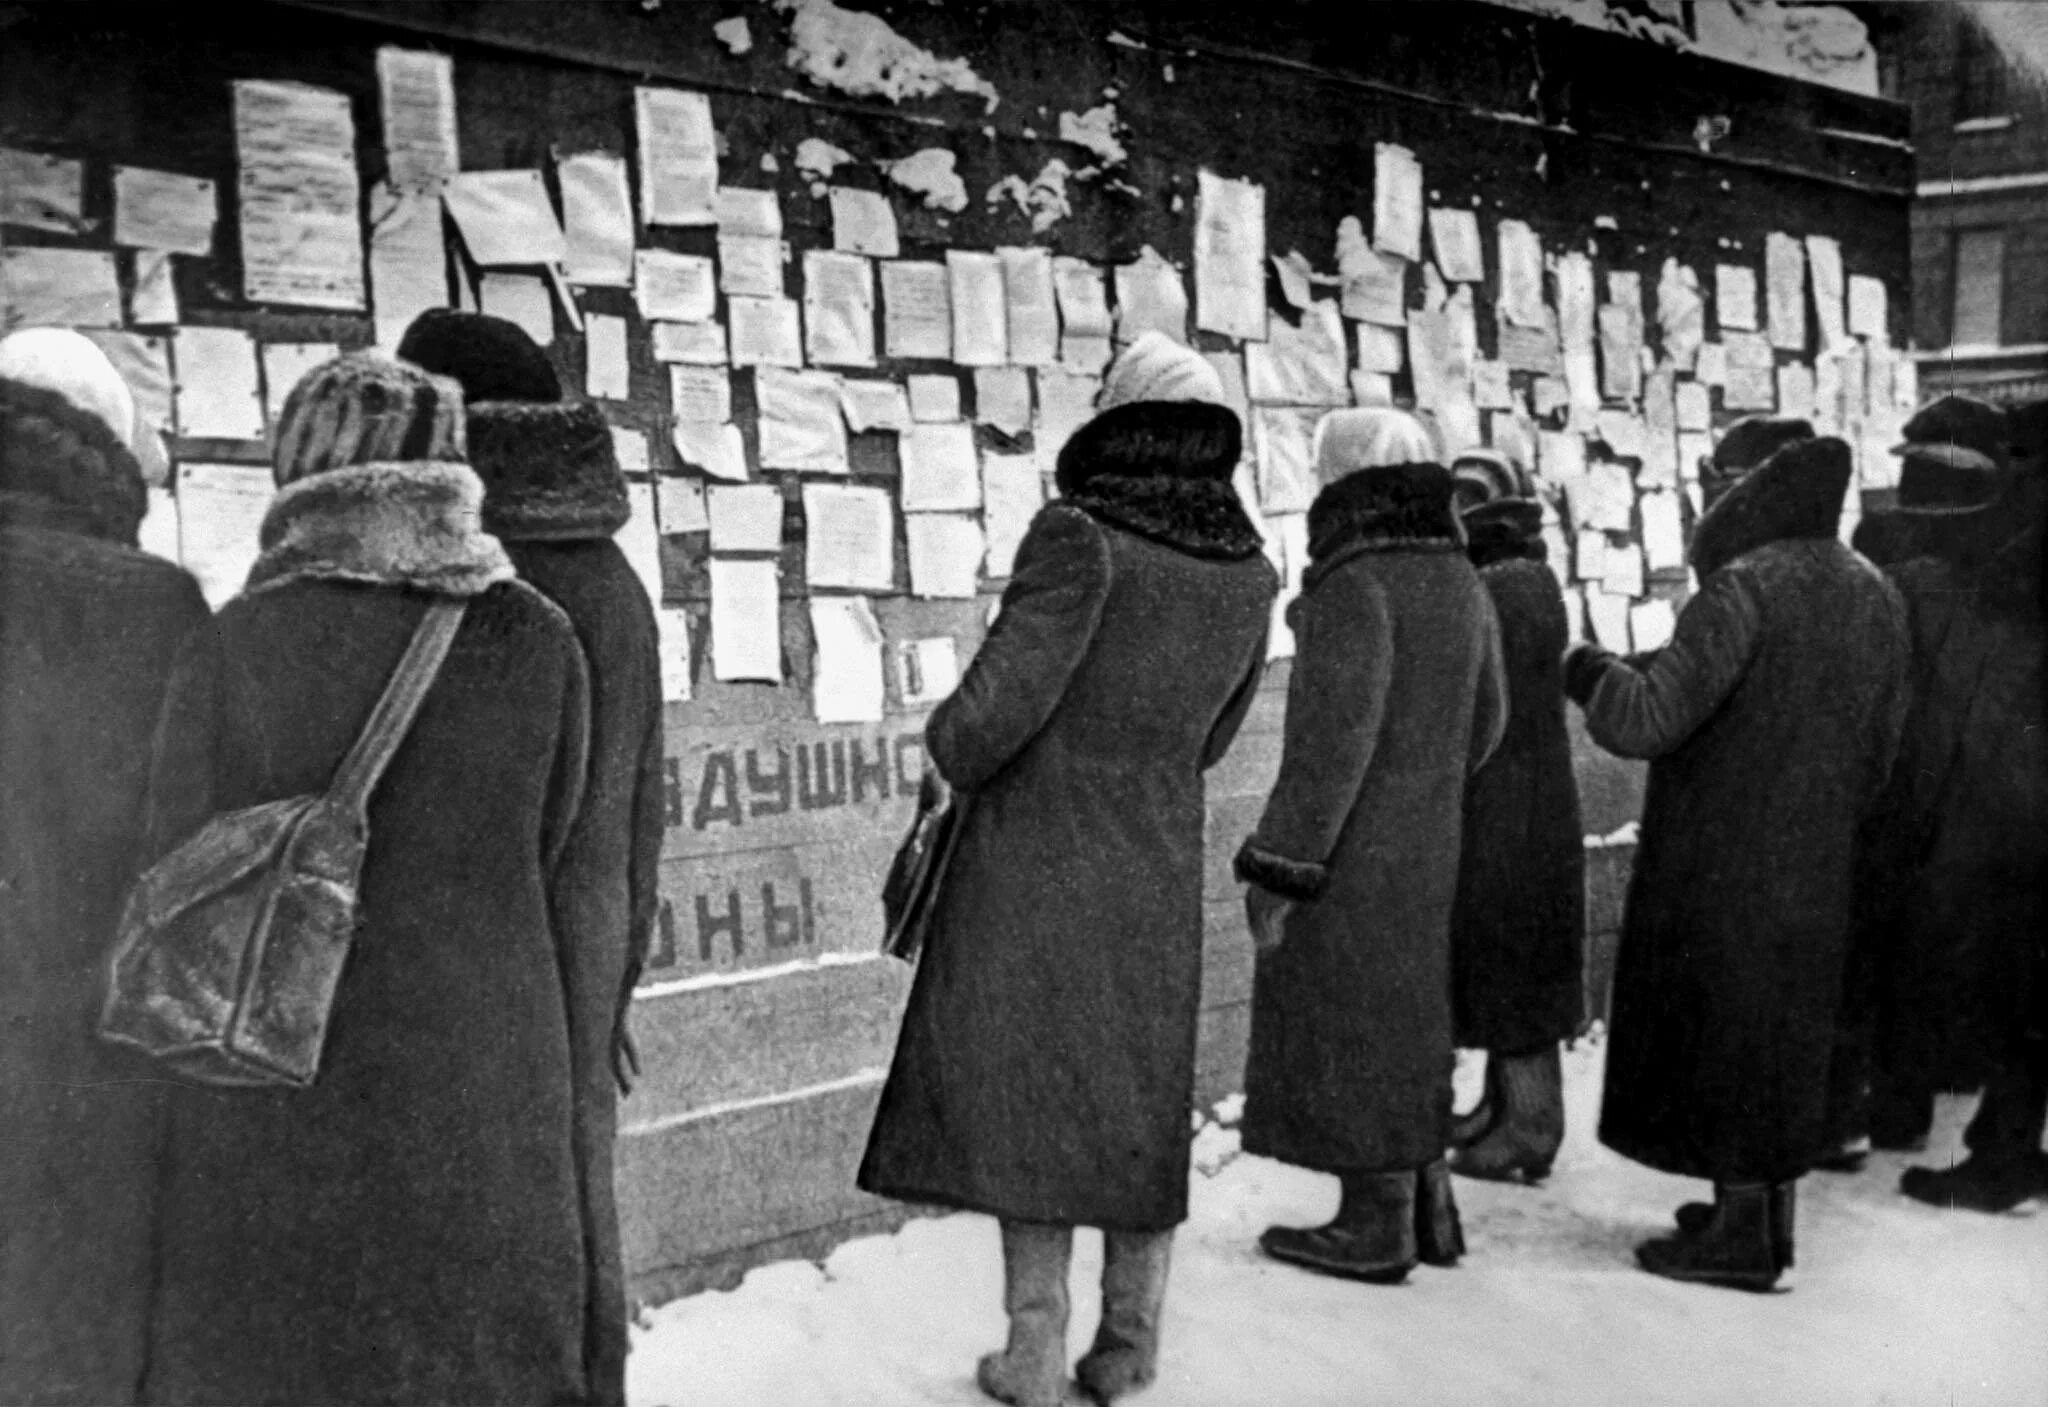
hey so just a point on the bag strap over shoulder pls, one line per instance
(392, 718)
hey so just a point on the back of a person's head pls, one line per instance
(1162, 413)
(492, 358)
(66, 418)
(364, 408)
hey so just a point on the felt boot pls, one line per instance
(1371, 1239)
(1439, 1234)
(1738, 1247)
(1125, 1355)
(1523, 1142)
(1032, 1370)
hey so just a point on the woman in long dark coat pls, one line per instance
(553, 494)
(408, 1230)
(1045, 1069)
(1397, 696)
(1771, 721)
(89, 626)
(1518, 928)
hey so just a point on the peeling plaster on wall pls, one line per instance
(931, 174)
(1095, 129)
(860, 54)
(735, 34)
(1044, 199)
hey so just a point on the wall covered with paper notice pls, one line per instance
(843, 302)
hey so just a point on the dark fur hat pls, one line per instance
(1964, 421)
(1151, 439)
(1392, 507)
(1796, 493)
(493, 359)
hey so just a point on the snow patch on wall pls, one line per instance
(930, 173)
(1096, 130)
(818, 158)
(1043, 198)
(734, 34)
(860, 54)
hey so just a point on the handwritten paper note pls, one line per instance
(700, 393)
(874, 405)
(917, 310)
(934, 399)
(751, 265)
(163, 210)
(1230, 257)
(1521, 274)
(1396, 201)
(1151, 298)
(58, 288)
(694, 343)
(299, 192)
(220, 509)
(674, 287)
(39, 192)
(1029, 307)
(849, 537)
(839, 308)
(945, 551)
(416, 98)
(740, 211)
(765, 332)
(1302, 365)
(218, 384)
(940, 471)
(801, 427)
(863, 222)
(744, 517)
(1012, 492)
(597, 219)
(980, 327)
(1785, 291)
(1002, 398)
(678, 157)
(746, 620)
(846, 686)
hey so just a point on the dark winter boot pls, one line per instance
(1372, 1239)
(1125, 1355)
(1695, 1217)
(1032, 1370)
(1439, 1235)
(1472, 1125)
(1736, 1249)
(1523, 1142)
(2006, 1165)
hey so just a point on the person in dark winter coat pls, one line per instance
(89, 626)
(1397, 697)
(1944, 450)
(1518, 927)
(1045, 1069)
(1966, 842)
(553, 494)
(1770, 722)
(409, 1230)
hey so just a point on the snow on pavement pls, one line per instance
(1892, 1305)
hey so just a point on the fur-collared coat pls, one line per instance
(554, 495)
(1046, 1063)
(1518, 928)
(1397, 696)
(1770, 721)
(410, 1229)
(89, 626)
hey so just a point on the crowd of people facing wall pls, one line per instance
(1802, 965)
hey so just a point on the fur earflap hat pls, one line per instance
(1796, 493)
(549, 467)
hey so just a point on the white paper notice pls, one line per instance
(1663, 534)
(505, 218)
(1681, 314)
(158, 533)
(849, 537)
(846, 686)
(218, 395)
(1381, 349)
(717, 450)
(1651, 623)
(220, 510)
(741, 211)
(1867, 312)
(1230, 257)
(1302, 365)
(765, 332)
(1084, 306)
(285, 364)
(39, 192)
(874, 405)
(981, 334)
(680, 505)
(58, 288)
(1151, 298)
(1608, 615)
(1735, 297)
(1281, 439)
(1002, 398)
(1712, 366)
(416, 92)
(744, 517)
(863, 222)
(1029, 308)
(927, 670)
(839, 308)
(1693, 405)
(934, 399)
(801, 427)
(640, 539)
(1012, 492)
(1521, 274)
(940, 471)
(700, 393)
(597, 219)
(605, 371)
(693, 343)
(917, 310)
(1589, 555)
(408, 260)
(945, 552)
(521, 299)
(1624, 572)
(630, 448)
(1065, 403)
(750, 264)
(674, 287)
(1396, 201)
(678, 157)
(1824, 258)
(299, 193)
(163, 210)
(1785, 291)
(1454, 234)
(672, 634)
(746, 621)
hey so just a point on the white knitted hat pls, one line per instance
(62, 361)
(1157, 368)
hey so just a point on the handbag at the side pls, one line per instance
(231, 946)
(910, 893)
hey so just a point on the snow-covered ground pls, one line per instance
(1893, 1303)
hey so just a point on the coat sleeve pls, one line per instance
(1336, 702)
(1048, 616)
(184, 751)
(1648, 712)
(1490, 703)
(1224, 731)
(645, 862)
(572, 761)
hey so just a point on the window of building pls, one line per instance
(1981, 99)
(1979, 288)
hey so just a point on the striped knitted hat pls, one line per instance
(365, 408)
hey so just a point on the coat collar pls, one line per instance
(1201, 517)
(549, 470)
(1398, 508)
(413, 524)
